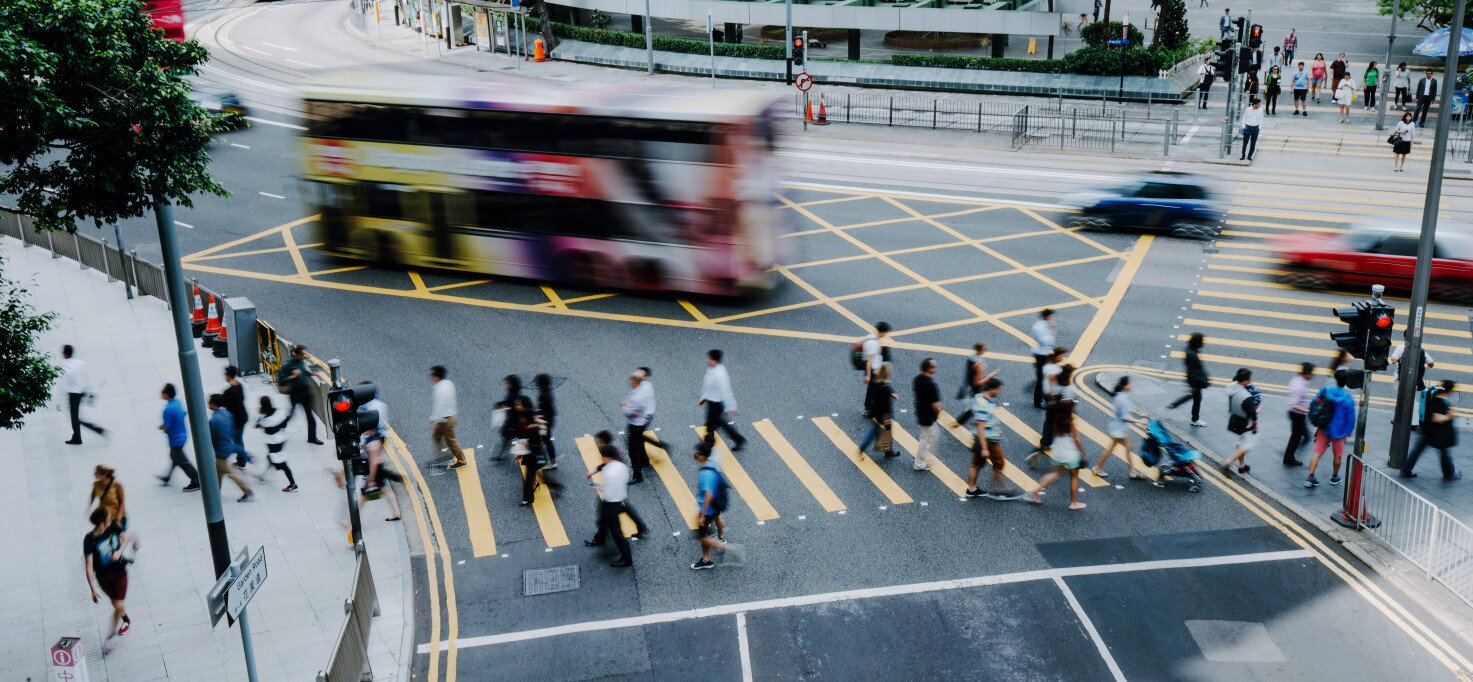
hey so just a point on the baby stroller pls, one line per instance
(1171, 456)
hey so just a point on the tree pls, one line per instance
(95, 117)
(544, 22)
(1171, 24)
(26, 374)
(1431, 14)
(1099, 33)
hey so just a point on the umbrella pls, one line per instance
(1435, 44)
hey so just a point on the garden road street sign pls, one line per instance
(803, 81)
(247, 582)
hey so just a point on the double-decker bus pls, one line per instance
(167, 15)
(631, 187)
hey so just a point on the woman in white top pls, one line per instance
(272, 422)
(1118, 429)
(1401, 81)
(1067, 455)
(1401, 140)
(1343, 96)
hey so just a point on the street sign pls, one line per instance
(215, 599)
(803, 81)
(68, 661)
(1460, 103)
(1119, 41)
(247, 582)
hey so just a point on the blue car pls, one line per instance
(1177, 204)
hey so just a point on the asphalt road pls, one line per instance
(901, 576)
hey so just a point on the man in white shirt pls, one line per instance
(1426, 92)
(1044, 335)
(76, 385)
(613, 487)
(442, 417)
(1252, 121)
(638, 409)
(1395, 359)
(1299, 395)
(717, 397)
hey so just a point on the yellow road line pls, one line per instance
(1283, 227)
(1318, 206)
(547, 517)
(458, 285)
(296, 252)
(1016, 425)
(821, 202)
(943, 473)
(588, 450)
(824, 298)
(452, 609)
(580, 299)
(1291, 368)
(1280, 331)
(253, 252)
(697, 314)
(477, 514)
(917, 249)
(416, 280)
(1388, 200)
(335, 271)
(680, 493)
(745, 486)
(867, 466)
(1273, 272)
(1312, 352)
(1318, 218)
(1250, 259)
(967, 437)
(1091, 334)
(553, 299)
(252, 237)
(799, 466)
(1321, 319)
(1089, 431)
(406, 464)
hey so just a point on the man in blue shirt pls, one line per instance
(177, 432)
(1300, 81)
(222, 437)
(1332, 435)
(712, 491)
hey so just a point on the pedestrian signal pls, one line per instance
(1353, 340)
(1378, 338)
(348, 424)
(1255, 36)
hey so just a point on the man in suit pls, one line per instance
(1426, 92)
(1225, 22)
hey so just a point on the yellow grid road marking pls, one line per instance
(1319, 303)
(547, 518)
(458, 285)
(253, 252)
(416, 280)
(867, 466)
(756, 501)
(1280, 331)
(1274, 272)
(697, 314)
(253, 237)
(553, 299)
(680, 493)
(588, 450)
(1325, 319)
(799, 466)
(1118, 288)
(1088, 430)
(1313, 352)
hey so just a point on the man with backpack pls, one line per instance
(1437, 431)
(714, 492)
(1332, 413)
(1243, 402)
(867, 356)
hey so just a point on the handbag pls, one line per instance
(1393, 138)
(498, 419)
(519, 448)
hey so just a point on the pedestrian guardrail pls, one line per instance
(1415, 528)
(90, 252)
(349, 659)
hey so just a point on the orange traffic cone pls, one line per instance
(222, 345)
(823, 112)
(807, 109)
(197, 320)
(212, 326)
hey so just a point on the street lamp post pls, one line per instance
(1385, 68)
(788, 33)
(649, 38)
(1411, 357)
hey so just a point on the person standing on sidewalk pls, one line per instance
(1272, 88)
(222, 436)
(1197, 379)
(1291, 45)
(1426, 92)
(988, 444)
(1243, 403)
(1332, 413)
(1067, 457)
(76, 384)
(1437, 431)
(1206, 73)
(176, 432)
(1373, 81)
(107, 569)
(272, 423)
(613, 489)
(1045, 335)
(107, 492)
(1118, 429)
(547, 407)
(719, 401)
(638, 408)
(928, 409)
(1252, 122)
(1300, 82)
(296, 376)
(1298, 414)
(442, 418)
(1339, 69)
(1427, 362)
(235, 403)
(1225, 23)
(1401, 141)
(1317, 76)
(1345, 96)
(1401, 80)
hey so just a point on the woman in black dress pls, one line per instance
(547, 408)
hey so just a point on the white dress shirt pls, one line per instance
(1253, 116)
(442, 400)
(73, 377)
(639, 407)
(716, 388)
(1299, 394)
(873, 352)
(1044, 334)
(613, 481)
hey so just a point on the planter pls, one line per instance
(923, 40)
(825, 34)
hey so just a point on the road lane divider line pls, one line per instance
(270, 195)
(588, 450)
(1016, 425)
(1091, 335)
(943, 473)
(546, 512)
(406, 464)
(477, 513)
(799, 466)
(1284, 227)
(967, 437)
(1297, 333)
(1318, 319)
(888, 591)
(737, 475)
(253, 252)
(694, 312)
(1284, 215)
(867, 466)
(679, 492)
(452, 609)
(268, 122)
(416, 280)
(1089, 628)
(1312, 352)
(1271, 272)
(250, 237)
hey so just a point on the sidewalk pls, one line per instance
(295, 618)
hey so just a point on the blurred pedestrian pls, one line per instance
(1250, 84)
(719, 401)
(512, 384)
(1298, 414)
(1045, 338)
(76, 383)
(1422, 367)
(928, 409)
(176, 432)
(1372, 82)
(880, 405)
(1124, 414)
(1252, 122)
(376, 483)
(873, 353)
(1437, 431)
(442, 418)
(976, 372)
(104, 561)
(547, 407)
(1277, 58)
(1052, 370)
(1401, 80)
(613, 490)
(234, 395)
(987, 448)
(297, 378)
(272, 422)
(1243, 403)
(603, 438)
(638, 408)
(107, 492)
(527, 431)
(1401, 141)
(604, 441)
(713, 493)
(1332, 413)
(1197, 379)
(1067, 457)
(222, 436)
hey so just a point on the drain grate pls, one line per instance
(537, 581)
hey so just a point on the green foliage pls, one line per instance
(1431, 14)
(600, 20)
(955, 61)
(662, 43)
(26, 374)
(1171, 25)
(1189, 49)
(1099, 33)
(95, 117)
(1102, 61)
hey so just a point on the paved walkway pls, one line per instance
(130, 353)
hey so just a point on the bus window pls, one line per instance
(394, 202)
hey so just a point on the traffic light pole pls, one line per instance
(788, 34)
(1352, 499)
(1411, 357)
(335, 367)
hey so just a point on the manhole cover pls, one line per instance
(537, 581)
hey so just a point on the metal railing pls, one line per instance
(349, 659)
(90, 252)
(1417, 529)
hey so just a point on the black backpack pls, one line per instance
(1321, 411)
(718, 501)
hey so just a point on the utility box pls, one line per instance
(242, 348)
(68, 660)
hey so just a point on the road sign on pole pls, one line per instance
(803, 81)
(249, 575)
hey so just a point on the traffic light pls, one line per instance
(1222, 59)
(348, 424)
(1378, 339)
(1354, 340)
(1242, 24)
(1245, 59)
(800, 48)
(1255, 36)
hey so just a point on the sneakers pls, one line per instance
(622, 564)
(973, 492)
(1408, 474)
(1335, 479)
(192, 487)
(891, 454)
(741, 445)
(125, 625)
(163, 480)
(1293, 463)
(550, 466)
(1311, 482)
(248, 497)
(702, 565)
(1198, 422)
(456, 465)
(1004, 496)
(290, 489)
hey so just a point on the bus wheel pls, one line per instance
(648, 274)
(385, 252)
(578, 267)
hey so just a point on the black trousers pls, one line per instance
(548, 445)
(716, 420)
(303, 397)
(1271, 103)
(1298, 434)
(1250, 141)
(1046, 441)
(608, 524)
(177, 460)
(74, 404)
(639, 460)
(1203, 91)
(1194, 394)
(529, 479)
(1038, 362)
(1443, 454)
(1420, 115)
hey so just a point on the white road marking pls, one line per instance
(273, 196)
(279, 47)
(260, 84)
(298, 61)
(184, 225)
(252, 49)
(278, 124)
(239, 146)
(926, 195)
(742, 648)
(1190, 132)
(870, 593)
(1089, 627)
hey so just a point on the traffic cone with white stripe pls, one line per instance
(212, 326)
(197, 320)
(823, 111)
(222, 343)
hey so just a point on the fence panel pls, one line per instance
(90, 253)
(116, 263)
(1451, 560)
(150, 279)
(1404, 519)
(10, 224)
(348, 661)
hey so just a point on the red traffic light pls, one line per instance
(343, 406)
(1383, 321)
(798, 43)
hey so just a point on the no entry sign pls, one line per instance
(803, 81)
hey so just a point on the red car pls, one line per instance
(1380, 253)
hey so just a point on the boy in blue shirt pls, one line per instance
(1332, 435)
(1300, 81)
(177, 432)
